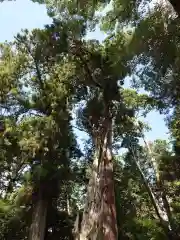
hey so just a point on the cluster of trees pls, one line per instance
(55, 84)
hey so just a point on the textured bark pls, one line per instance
(76, 227)
(107, 188)
(91, 215)
(37, 229)
(99, 217)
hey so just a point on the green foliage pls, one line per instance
(47, 75)
(135, 213)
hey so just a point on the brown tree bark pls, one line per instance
(99, 217)
(107, 187)
(38, 225)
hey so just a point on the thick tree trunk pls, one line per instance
(38, 225)
(91, 216)
(99, 217)
(107, 188)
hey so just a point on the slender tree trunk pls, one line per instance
(160, 185)
(38, 225)
(155, 204)
(166, 224)
(149, 190)
(99, 217)
(68, 204)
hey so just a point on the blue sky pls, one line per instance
(20, 14)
